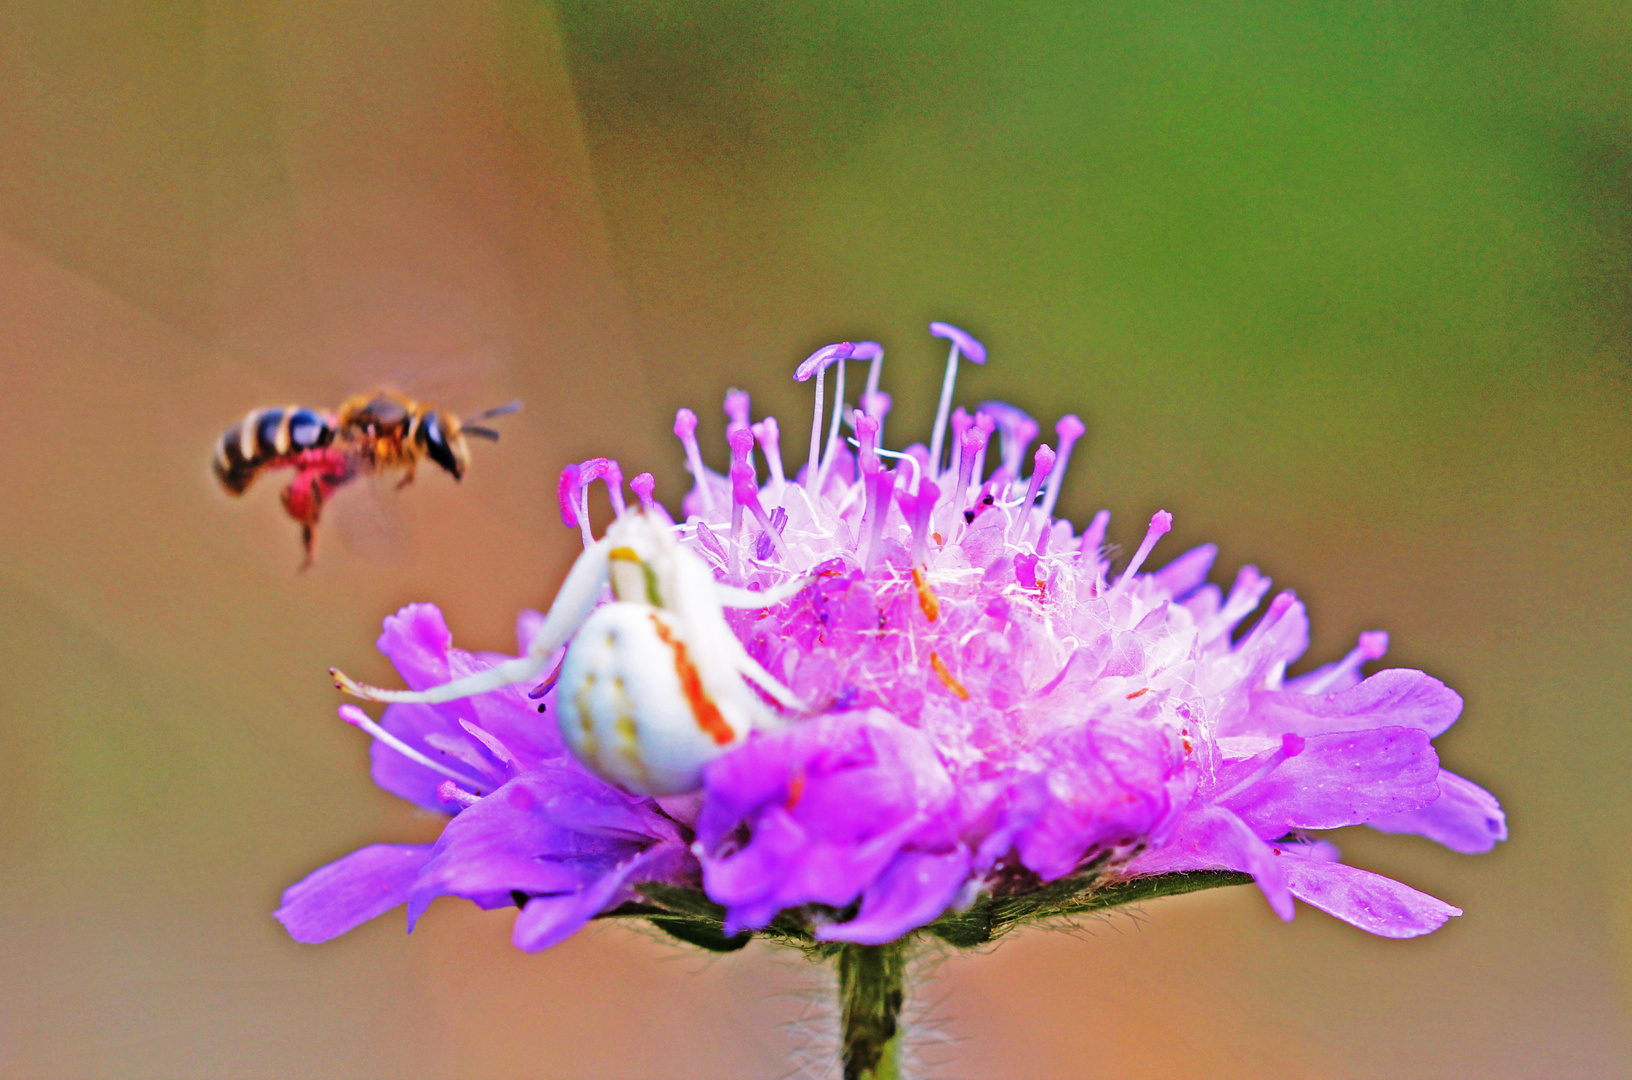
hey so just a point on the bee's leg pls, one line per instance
(579, 594)
(407, 477)
(303, 501)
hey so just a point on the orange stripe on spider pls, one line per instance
(703, 708)
(946, 678)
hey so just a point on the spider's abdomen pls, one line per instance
(633, 705)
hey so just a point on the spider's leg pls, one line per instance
(729, 596)
(751, 670)
(579, 594)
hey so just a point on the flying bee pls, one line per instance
(376, 434)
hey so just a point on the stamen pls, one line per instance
(971, 444)
(1277, 608)
(709, 541)
(1248, 590)
(768, 523)
(1160, 523)
(770, 444)
(877, 404)
(449, 792)
(920, 453)
(867, 445)
(962, 344)
(816, 364)
(1373, 644)
(861, 350)
(1016, 430)
(1093, 537)
(871, 350)
(745, 496)
(743, 488)
(1041, 464)
(604, 469)
(356, 717)
(961, 422)
(643, 486)
(879, 483)
(685, 426)
(1069, 430)
(1291, 746)
(494, 746)
(573, 498)
(946, 678)
(566, 495)
(986, 424)
(918, 507)
(736, 410)
(583, 516)
(917, 470)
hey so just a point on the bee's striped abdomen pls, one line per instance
(265, 438)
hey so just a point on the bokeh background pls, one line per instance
(1347, 287)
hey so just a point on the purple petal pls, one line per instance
(1215, 839)
(1376, 904)
(550, 920)
(912, 891)
(1336, 780)
(417, 641)
(528, 624)
(1098, 788)
(566, 495)
(967, 345)
(363, 885)
(1280, 637)
(827, 805)
(1465, 818)
(1188, 572)
(553, 830)
(1398, 697)
(401, 776)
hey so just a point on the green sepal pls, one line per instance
(992, 916)
(688, 915)
(699, 932)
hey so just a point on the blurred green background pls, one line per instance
(1348, 288)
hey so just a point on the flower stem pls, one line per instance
(870, 996)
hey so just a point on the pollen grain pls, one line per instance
(946, 678)
(926, 598)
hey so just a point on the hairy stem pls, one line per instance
(871, 991)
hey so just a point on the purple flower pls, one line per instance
(984, 707)
(531, 827)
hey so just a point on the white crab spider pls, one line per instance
(651, 688)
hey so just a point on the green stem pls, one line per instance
(871, 978)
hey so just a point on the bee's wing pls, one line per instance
(454, 373)
(373, 521)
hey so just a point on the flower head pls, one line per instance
(970, 716)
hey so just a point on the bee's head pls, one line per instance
(442, 442)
